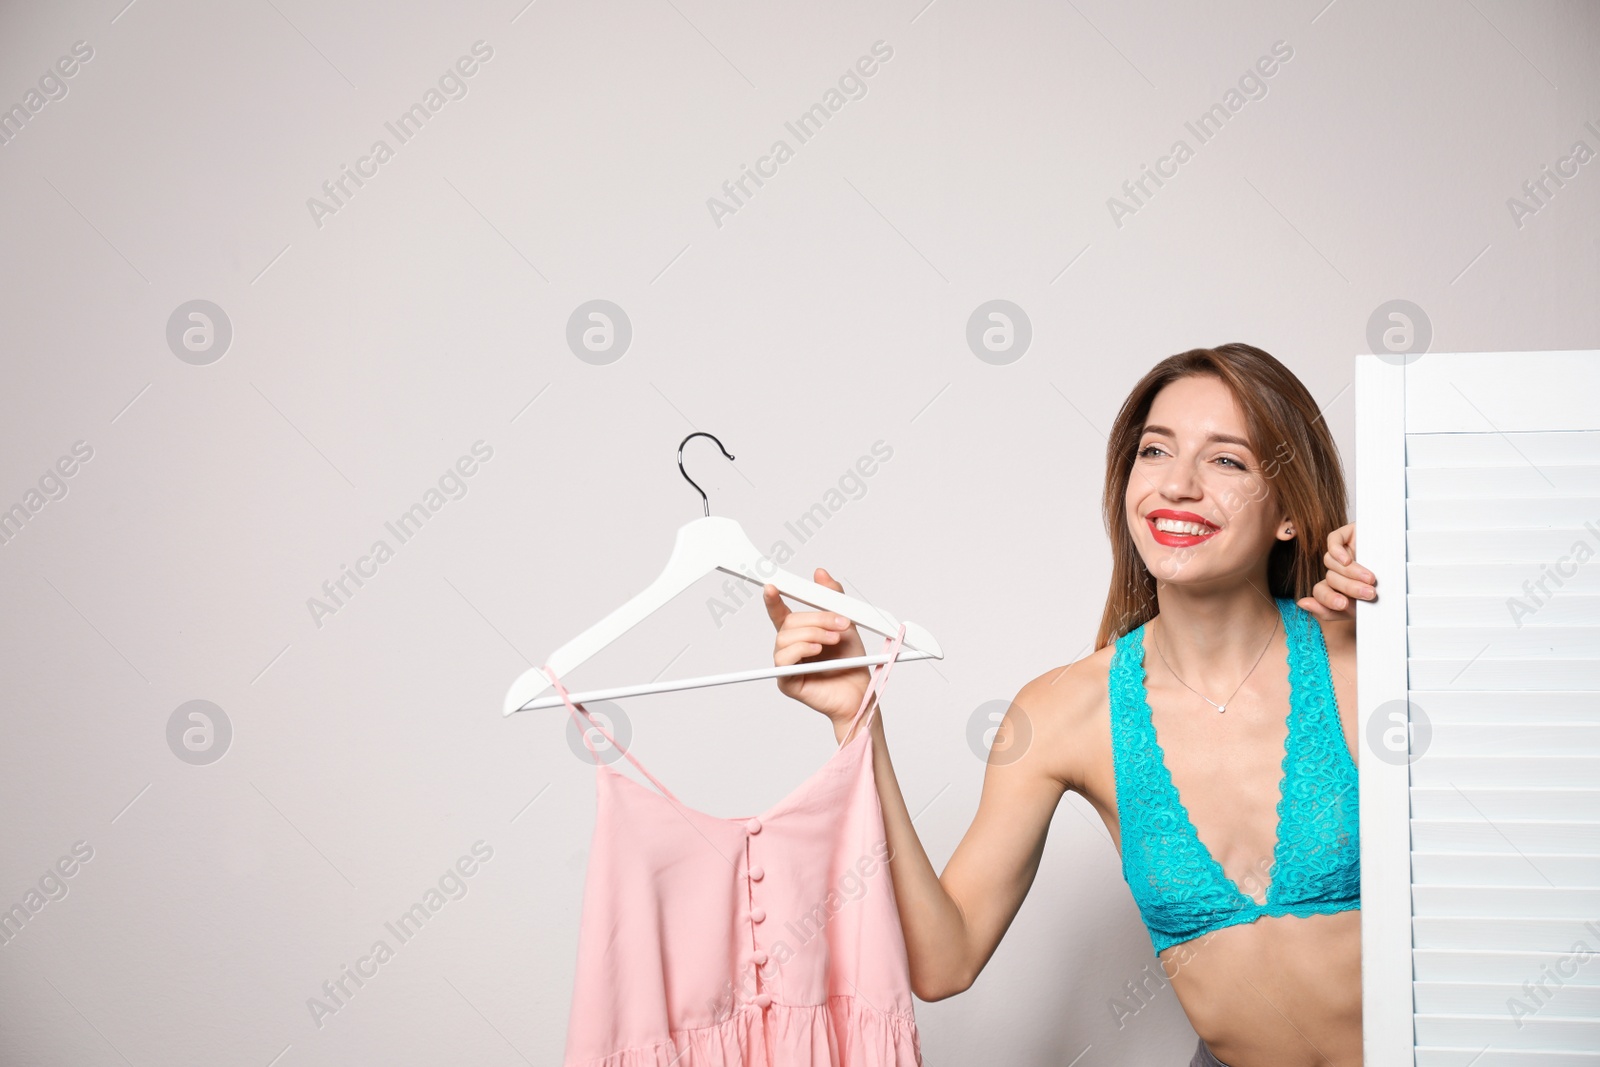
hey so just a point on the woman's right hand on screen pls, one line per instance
(810, 636)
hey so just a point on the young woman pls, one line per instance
(1224, 675)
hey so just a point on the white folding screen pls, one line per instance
(1478, 507)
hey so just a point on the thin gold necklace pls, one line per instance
(1222, 707)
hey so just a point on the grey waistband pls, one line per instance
(1203, 1057)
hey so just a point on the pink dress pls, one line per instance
(770, 940)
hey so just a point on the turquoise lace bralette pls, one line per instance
(1181, 889)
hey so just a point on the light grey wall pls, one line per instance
(374, 344)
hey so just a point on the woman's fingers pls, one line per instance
(1341, 555)
(789, 655)
(795, 643)
(1346, 582)
(1327, 603)
(1315, 607)
(1341, 543)
(777, 610)
(1352, 571)
(815, 620)
(822, 577)
(1350, 587)
(1330, 598)
(802, 634)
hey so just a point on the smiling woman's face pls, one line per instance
(1200, 507)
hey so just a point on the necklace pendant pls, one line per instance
(1220, 707)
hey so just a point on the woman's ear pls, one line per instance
(1286, 530)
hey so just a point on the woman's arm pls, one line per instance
(952, 922)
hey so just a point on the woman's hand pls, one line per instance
(1330, 598)
(808, 636)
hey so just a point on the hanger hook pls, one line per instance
(706, 502)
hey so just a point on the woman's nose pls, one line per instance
(1181, 482)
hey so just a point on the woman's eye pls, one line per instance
(1148, 450)
(1230, 459)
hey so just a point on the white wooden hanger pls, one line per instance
(711, 543)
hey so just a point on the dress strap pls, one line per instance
(573, 709)
(880, 674)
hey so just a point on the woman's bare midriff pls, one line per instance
(1283, 991)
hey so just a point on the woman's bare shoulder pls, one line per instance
(1073, 690)
(1066, 708)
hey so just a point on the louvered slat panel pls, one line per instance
(1453, 802)
(1457, 868)
(1564, 772)
(1481, 998)
(1511, 675)
(1510, 901)
(1495, 483)
(1504, 642)
(1514, 739)
(1549, 448)
(1466, 706)
(1503, 655)
(1499, 968)
(1542, 1030)
(1493, 932)
(1498, 579)
(1568, 546)
(1442, 1056)
(1570, 608)
(1505, 835)
(1451, 514)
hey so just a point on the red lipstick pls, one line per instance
(1179, 540)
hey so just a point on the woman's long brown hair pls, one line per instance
(1292, 444)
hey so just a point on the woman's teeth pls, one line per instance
(1177, 527)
